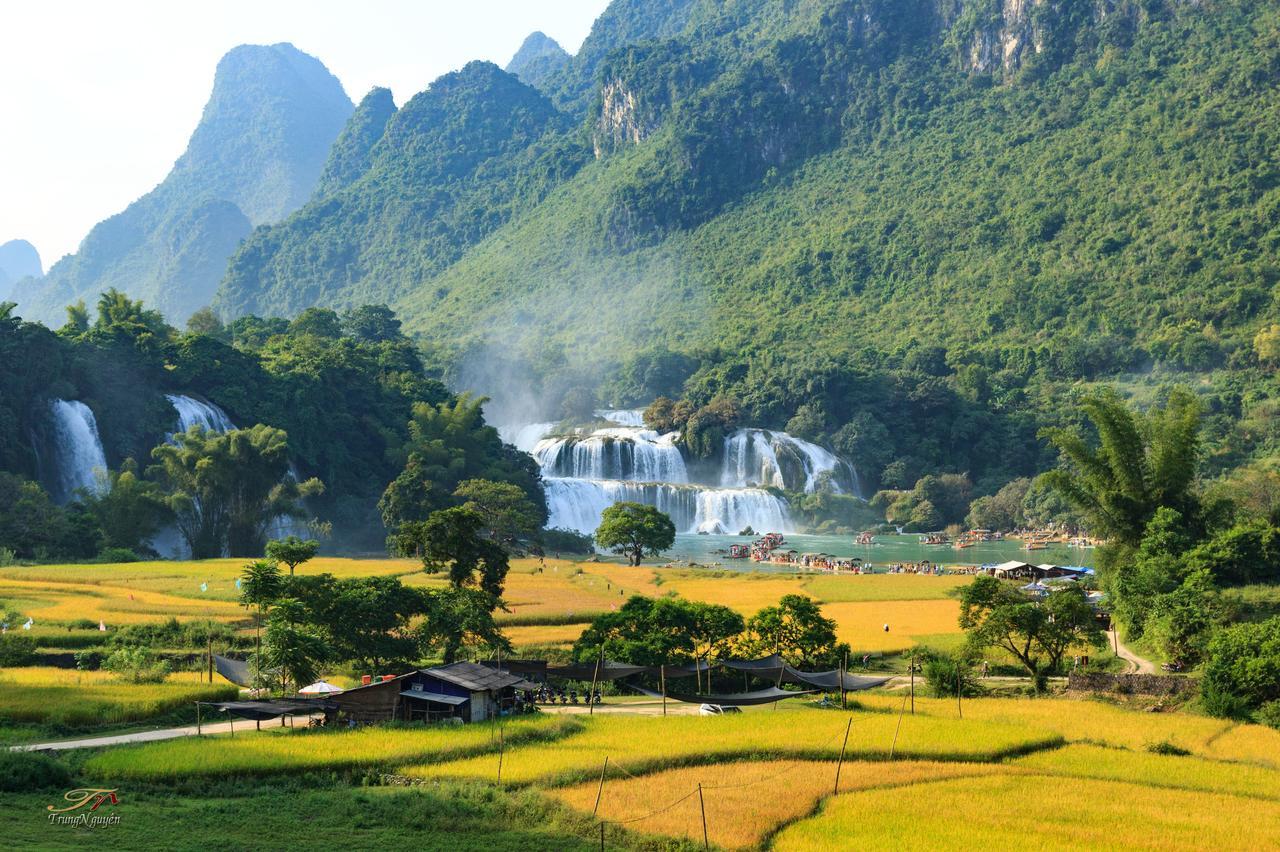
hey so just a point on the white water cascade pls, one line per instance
(198, 412)
(78, 459)
(763, 457)
(587, 470)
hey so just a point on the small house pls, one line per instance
(469, 692)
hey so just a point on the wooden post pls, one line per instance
(602, 837)
(840, 762)
(210, 658)
(662, 674)
(959, 683)
(595, 677)
(502, 750)
(600, 789)
(893, 747)
(199, 732)
(844, 667)
(912, 664)
(232, 720)
(706, 844)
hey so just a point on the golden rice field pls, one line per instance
(1083, 721)
(284, 750)
(640, 744)
(1156, 770)
(48, 695)
(1027, 811)
(536, 591)
(745, 802)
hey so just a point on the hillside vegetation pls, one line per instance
(901, 223)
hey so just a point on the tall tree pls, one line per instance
(292, 551)
(797, 631)
(635, 531)
(457, 618)
(1140, 462)
(508, 513)
(292, 650)
(453, 540)
(129, 509)
(261, 585)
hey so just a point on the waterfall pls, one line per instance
(577, 504)
(637, 455)
(633, 417)
(193, 412)
(762, 457)
(525, 437)
(77, 456)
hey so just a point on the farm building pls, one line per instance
(466, 691)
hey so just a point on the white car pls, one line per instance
(717, 710)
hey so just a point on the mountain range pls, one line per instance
(18, 259)
(836, 212)
(254, 158)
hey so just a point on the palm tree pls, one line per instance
(261, 585)
(1141, 462)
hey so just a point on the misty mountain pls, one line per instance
(351, 154)
(18, 259)
(454, 164)
(538, 58)
(254, 158)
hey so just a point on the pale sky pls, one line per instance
(98, 97)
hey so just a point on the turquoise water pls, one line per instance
(888, 549)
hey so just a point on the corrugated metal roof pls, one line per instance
(477, 678)
(437, 697)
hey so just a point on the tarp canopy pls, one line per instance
(736, 699)
(236, 671)
(688, 670)
(536, 668)
(830, 681)
(589, 671)
(766, 667)
(259, 710)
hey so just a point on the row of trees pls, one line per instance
(1175, 547)
(303, 622)
(675, 631)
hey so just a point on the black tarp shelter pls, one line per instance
(734, 699)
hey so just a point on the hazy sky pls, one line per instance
(98, 97)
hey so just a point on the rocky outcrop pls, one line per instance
(621, 121)
(1004, 35)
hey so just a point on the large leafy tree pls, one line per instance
(458, 618)
(509, 514)
(365, 620)
(635, 531)
(448, 444)
(1139, 462)
(292, 650)
(292, 551)
(453, 541)
(226, 489)
(129, 509)
(995, 614)
(796, 630)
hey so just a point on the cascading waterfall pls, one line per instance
(198, 412)
(763, 457)
(639, 455)
(76, 450)
(586, 472)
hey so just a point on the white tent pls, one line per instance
(320, 687)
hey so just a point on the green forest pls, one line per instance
(824, 212)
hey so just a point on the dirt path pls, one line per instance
(147, 736)
(1137, 665)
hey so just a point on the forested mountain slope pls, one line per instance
(254, 158)
(901, 226)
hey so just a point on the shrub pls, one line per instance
(946, 675)
(1269, 714)
(136, 664)
(24, 771)
(1166, 747)
(117, 554)
(16, 650)
(1244, 664)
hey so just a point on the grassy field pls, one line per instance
(276, 751)
(51, 696)
(1003, 812)
(549, 601)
